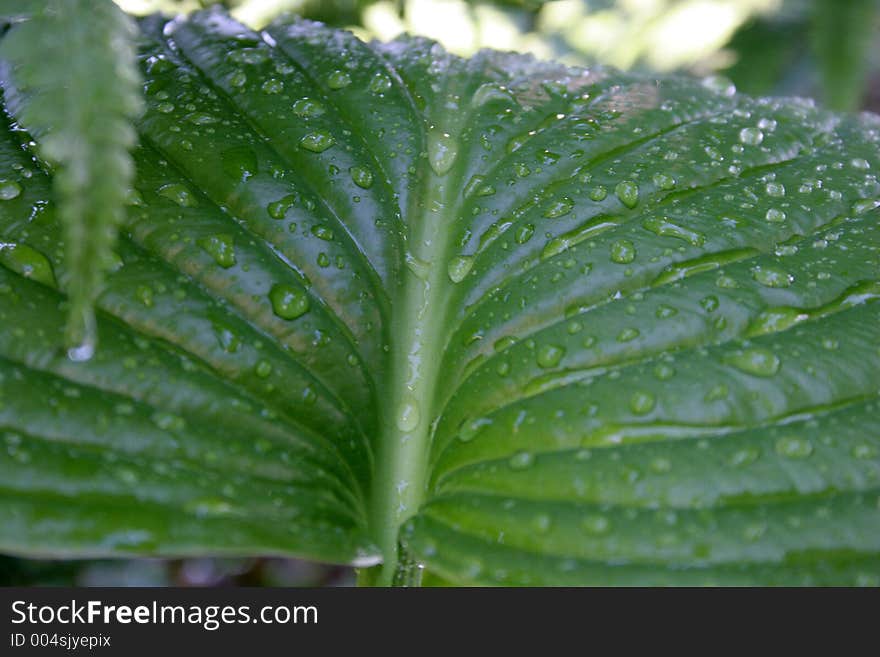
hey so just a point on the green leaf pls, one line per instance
(537, 325)
(71, 81)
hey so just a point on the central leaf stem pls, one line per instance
(417, 338)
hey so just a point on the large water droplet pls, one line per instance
(338, 80)
(772, 277)
(459, 267)
(442, 151)
(362, 177)
(642, 402)
(521, 460)
(559, 208)
(179, 194)
(221, 248)
(549, 355)
(9, 189)
(317, 142)
(628, 193)
(408, 414)
(28, 262)
(306, 108)
(794, 447)
(665, 228)
(288, 302)
(751, 136)
(756, 361)
(623, 252)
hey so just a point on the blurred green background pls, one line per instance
(825, 49)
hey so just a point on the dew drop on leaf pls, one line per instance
(751, 136)
(756, 361)
(220, 247)
(459, 267)
(408, 414)
(623, 252)
(288, 302)
(628, 193)
(338, 80)
(317, 142)
(28, 262)
(179, 194)
(308, 108)
(442, 151)
(772, 277)
(361, 177)
(641, 402)
(549, 355)
(794, 447)
(521, 460)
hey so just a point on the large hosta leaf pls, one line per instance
(540, 325)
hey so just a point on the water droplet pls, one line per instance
(559, 208)
(379, 84)
(317, 142)
(598, 193)
(322, 232)
(665, 228)
(238, 79)
(596, 524)
(247, 56)
(549, 355)
(775, 319)
(201, 118)
(623, 252)
(794, 447)
(772, 277)
(477, 186)
(306, 108)
(272, 86)
(524, 233)
(751, 136)
(756, 361)
(362, 177)
(219, 247)
(338, 80)
(442, 151)
(641, 402)
(664, 371)
(628, 334)
(665, 312)
(744, 456)
(775, 189)
(471, 428)
(179, 194)
(574, 237)
(459, 267)
(278, 209)
(775, 216)
(288, 302)
(27, 262)
(408, 414)
(521, 460)
(209, 507)
(719, 85)
(663, 181)
(628, 193)
(263, 369)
